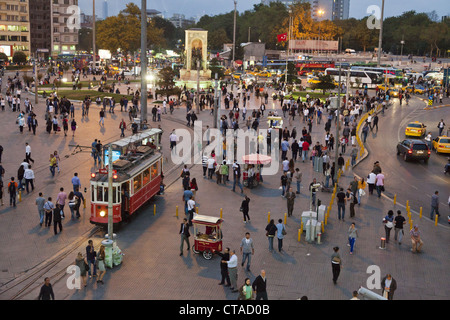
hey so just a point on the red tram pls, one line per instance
(137, 165)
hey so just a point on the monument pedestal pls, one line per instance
(192, 75)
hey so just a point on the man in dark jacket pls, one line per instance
(224, 267)
(184, 232)
(46, 292)
(389, 285)
(259, 286)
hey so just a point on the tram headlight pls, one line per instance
(102, 213)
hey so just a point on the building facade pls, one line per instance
(322, 9)
(341, 9)
(64, 34)
(180, 21)
(14, 27)
(40, 16)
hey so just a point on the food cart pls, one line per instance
(252, 168)
(275, 122)
(207, 235)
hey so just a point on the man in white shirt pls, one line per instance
(232, 270)
(191, 209)
(371, 179)
(29, 177)
(173, 141)
(28, 153)
(211, 168)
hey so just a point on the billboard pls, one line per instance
(6, 50)
(324, 45)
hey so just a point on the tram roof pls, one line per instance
(136, 137)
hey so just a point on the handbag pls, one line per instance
(283, 232)
(86, 266)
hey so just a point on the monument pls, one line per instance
(196, 53)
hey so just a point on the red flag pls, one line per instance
(282, 37)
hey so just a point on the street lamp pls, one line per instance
(234, 31)
(380, 37)
(320, 13)
(314, 186)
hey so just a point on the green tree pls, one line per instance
(20, 57)
(326, 83)
(3, 56)
(166, 83)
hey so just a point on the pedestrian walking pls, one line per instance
(416, 239)
(361, 192)
(122, 127)
(65, 123)
(46, 292)
(82, 264)
(371, 180)
(191, 209)
(28, 153)
(336, 264)
(342, 199)
(224, 267)
(399, 221)
(232, 270)
(184, 233)
(102, 117)
(298, 179)
(388, 224)
(48, 207)
(245, 209)
(73, 126)
(352, 234)
(389, 286)
(290, 198)
(379, 183)
(435, 205)
(12, 190)
(52, 164)
(57, 217)
(236, 176)
(76, 183)
(247, 250)
(259, 286)
(61, 200)
(441, 126)
(90, 257)
(283, 183)
(40, 201)
(281, 232)
(72, 203)
(246, 291)
(28, 175)
(79, 199)
(101, 261)
(271, 229)
(351, 198)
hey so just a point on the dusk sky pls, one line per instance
(194, 8)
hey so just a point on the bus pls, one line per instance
(138, 170)
(65, 57)
(313, 66)
(369, 78)
(386, 70)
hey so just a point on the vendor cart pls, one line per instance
(275, 122)
(207, 235)
(252, 168)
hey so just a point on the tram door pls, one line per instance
(125, 195)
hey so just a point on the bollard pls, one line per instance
(407, 204)
(299, 234)
(410, 224)
(326, 218)
(383, 243)
(154, 209)
(436, 220)
(420, 213)
(84, 203)
(323, 227)
(221, 213)
(268, 218)
(395, 199)
(20, 195)
(301, 227)
(285, 218)
(176, 212)
(319, 235)
(196, 210)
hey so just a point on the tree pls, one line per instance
(215, 67)
(326, 83)
(19, 57)
(3, 57)
(166, 83)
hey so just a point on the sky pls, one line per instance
(198, 8)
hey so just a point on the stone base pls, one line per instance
(191, 75)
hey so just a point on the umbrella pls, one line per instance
(256, 158)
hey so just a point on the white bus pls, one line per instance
(388, 70)
(369, 78)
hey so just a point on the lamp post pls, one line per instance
(337, 124)
(234, 31)
(198, 86)
(320, 14)
(380, 38)
(94, 56)
(314, 186)
(143, 63)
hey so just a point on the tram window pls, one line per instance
(99, 193)
(105, 198)
(114, 195)
(146, 177)
(155, 169)
(137, 181)
(93, 193)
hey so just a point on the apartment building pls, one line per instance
(14, 27)
(64, 34)
(40, 16)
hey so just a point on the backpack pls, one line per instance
(12, 187)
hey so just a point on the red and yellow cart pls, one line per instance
(207, 235)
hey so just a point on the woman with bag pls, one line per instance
(83, 265)
(336, 264)
(194, 186)
(361, 187)
(101, 264)
(270, 233)
(388, 224)
(352, 234)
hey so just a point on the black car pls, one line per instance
(413, 149)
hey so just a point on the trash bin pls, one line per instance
(108, 252)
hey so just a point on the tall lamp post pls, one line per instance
(320, 13)
(234, 31)
(143, 63)
(380, 38)
(94, 56)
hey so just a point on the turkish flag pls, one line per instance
(282, 37)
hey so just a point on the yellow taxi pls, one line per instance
(228, 72)
(393, 92)
(416, 129)
(417, 89)
(313, 80)
(441, 144)
(236, 76)
(437, 89)
(264, 74)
